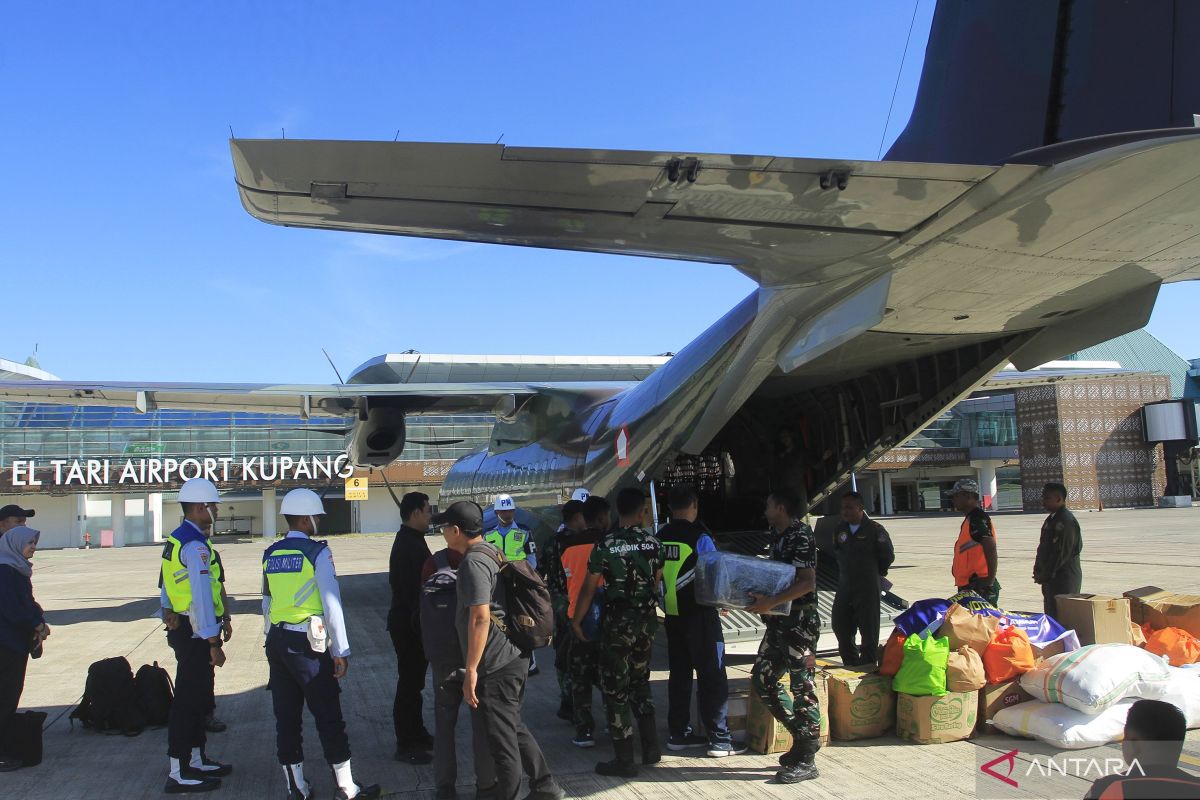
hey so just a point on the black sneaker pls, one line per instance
(554, 792)
(685, 741)
(208, 769)
(413, 754)
(191, 785)
(10, 764)
(584, 739)
(364, 792)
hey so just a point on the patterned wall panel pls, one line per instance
(1088, 435)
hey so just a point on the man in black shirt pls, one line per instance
(409, 553)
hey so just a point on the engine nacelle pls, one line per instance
(377, 440)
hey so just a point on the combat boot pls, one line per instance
(799, 749)
(622, 766)
(805, 769)
(648, 730)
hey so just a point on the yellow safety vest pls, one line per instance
(512, 545)
(290, 569)
(175, 574)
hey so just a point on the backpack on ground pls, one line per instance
(438, 607)
(528, 613)
(110, 699)
(154, 692)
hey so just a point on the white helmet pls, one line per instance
(581, 494)
(198, 490)
(301, 503)
(505, 503)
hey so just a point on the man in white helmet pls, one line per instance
(514, 541)
(192, 608)
(307, 649)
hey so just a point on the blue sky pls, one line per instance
(125, 243)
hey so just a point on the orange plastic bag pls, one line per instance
(1179, 646)
(1008, 656)
(893, 654)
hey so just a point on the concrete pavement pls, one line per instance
(99, 604)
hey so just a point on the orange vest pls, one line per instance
(575, 566)
(968, 555)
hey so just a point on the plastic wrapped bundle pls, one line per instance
(725, 580)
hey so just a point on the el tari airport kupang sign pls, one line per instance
(165, 472)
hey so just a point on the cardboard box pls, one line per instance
(765, 734)
(934, 720)
(1097, 619)
(736, 713)
(994, 697)
(1052, 649)
(862, 704)
(1163, 609)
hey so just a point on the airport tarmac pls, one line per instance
(99, 604)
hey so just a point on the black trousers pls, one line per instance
(695, 643)
(447, 698)
(513, 747)
(299, 676)
(12, 684)
(411, 667)
(856, 611)
(193, 688)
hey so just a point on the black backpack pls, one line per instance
(439, 605)
(23, 737)
(110, 699)
(528, 614)
(155, 693)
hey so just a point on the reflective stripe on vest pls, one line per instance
(676, 555)
(512, 544)
(969, 558)
(175, 577)
(290, 570)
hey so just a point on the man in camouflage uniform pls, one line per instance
(630, 561)
(789, 646)
(551, 569)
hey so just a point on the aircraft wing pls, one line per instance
(778, 220)
(335, 400)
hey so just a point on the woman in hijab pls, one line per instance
(22, 626)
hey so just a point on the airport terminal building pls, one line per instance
(108, 476)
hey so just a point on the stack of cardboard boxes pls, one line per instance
(859, 703)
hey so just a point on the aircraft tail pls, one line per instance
(1001, 77)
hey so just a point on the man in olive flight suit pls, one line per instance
(864, 553)
(1056, 566)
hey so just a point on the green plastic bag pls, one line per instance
(923, 671)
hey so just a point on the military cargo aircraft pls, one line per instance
(1041, 194)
